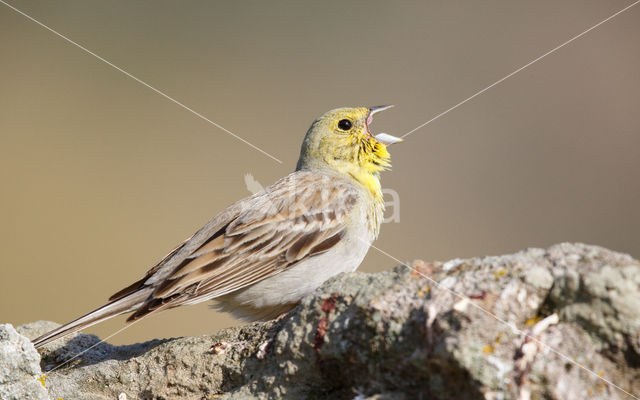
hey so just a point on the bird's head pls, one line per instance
(340, 140)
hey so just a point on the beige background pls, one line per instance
(101, 176)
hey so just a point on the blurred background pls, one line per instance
(101, 177)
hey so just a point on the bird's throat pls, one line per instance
(369, 180)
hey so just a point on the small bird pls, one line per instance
(261, 255)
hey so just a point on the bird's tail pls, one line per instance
(125, 304)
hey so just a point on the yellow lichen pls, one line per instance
(488, 349)
(500, 273)
(532, 321)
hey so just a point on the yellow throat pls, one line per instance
(340, 141)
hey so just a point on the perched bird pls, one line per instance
(260, 256)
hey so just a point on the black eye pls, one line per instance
(344, 124)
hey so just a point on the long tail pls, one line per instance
(125, 304)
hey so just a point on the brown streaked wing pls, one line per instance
(301, 215)
(177, 256)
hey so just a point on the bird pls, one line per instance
(259, 257)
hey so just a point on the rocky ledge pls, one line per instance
(561, 323)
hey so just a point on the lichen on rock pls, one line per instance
(20, 374)
(551, 323)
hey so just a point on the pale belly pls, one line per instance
(278, 294)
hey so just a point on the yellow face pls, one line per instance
(342, 137)
(340, 140)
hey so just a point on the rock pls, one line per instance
(20, 375)
(561, 323)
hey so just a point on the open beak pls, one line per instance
(387, 139)
(383, 138)
(377, 109)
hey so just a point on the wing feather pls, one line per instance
(302, 215)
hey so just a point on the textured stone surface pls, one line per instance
(19, 367)
(536, 324)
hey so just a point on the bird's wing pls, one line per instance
(301, 215)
